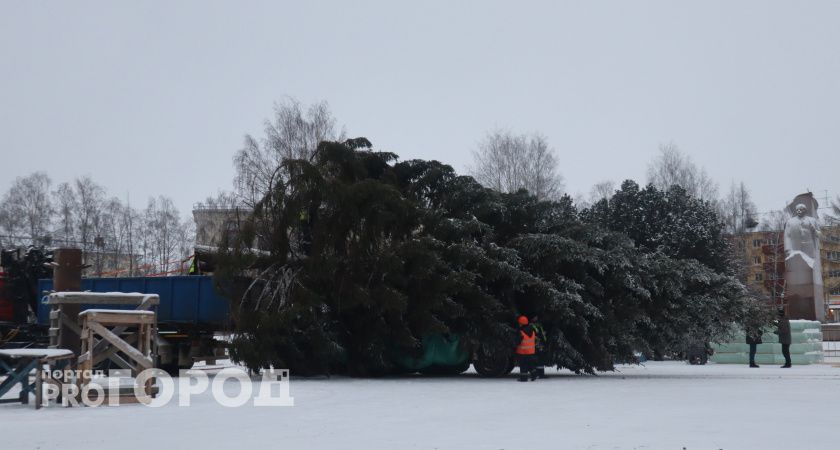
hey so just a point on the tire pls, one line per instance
(492, 365)
(463, 367)
(697, 356)
(511, 365)
(697, 360)
(438, 370)
(171, 369)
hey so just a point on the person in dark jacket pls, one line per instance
(753, 339)
(526, 350)
(784, 337)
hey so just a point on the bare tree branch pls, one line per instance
(291, 134)
(28, 208)
(602, 190)
(507, 163)
(672, 167)
(738, 210)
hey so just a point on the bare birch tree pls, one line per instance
(738, 213)
(738, 209)
(508, 162)
(672, 167)
(115, 238)
(89, 196)
(130, 222)
(66, 205)
(602, 190)
(163, 224)
(186, 243)
(29, 205)
(774, 221)
(291, 134)
(114, 235)
(10, 225)
(143, 243)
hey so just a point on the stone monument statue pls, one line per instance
(803, 271)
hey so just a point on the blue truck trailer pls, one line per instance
(190, 313)
(185, 301)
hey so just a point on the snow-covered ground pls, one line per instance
(661, 405)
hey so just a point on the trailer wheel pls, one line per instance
(439, 370)
(697, 356)
(511, 365)
(463, 367)
(492, 365)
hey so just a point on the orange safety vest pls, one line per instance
(528, 346)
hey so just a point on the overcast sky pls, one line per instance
(155, 97)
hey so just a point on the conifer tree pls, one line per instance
(355, 259)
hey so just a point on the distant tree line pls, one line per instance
(116, 238)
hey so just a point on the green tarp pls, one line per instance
(438, 350)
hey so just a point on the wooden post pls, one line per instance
(39, 383)
(67, 277)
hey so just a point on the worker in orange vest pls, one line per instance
(526, 351)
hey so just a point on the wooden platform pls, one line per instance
(99, 342)
(66, 329)
(17, 364)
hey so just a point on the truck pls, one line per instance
(191, 314)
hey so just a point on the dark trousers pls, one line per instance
(752, 354)
(539, 362)
(527, 366)
(786, 352)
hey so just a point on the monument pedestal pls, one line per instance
(806, 347)
(804, 297)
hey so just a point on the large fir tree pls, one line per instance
(361, 258)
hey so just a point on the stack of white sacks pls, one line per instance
(806, 346)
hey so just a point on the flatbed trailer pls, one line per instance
(190, 314)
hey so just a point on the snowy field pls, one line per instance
(661, 405)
